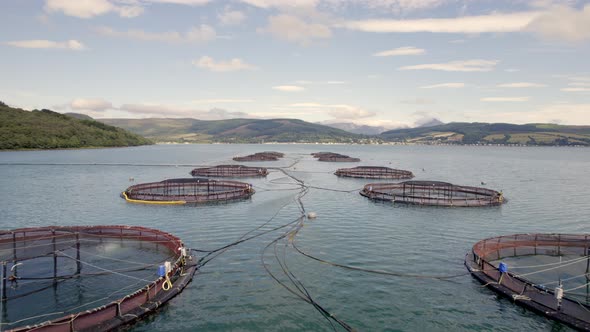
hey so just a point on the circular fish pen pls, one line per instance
(230, 171)
(273, 153)
(334, 157)
(374, 172)
(547, 273)
(432, 193)
(261, 156)
(187, 190)
(88, 278)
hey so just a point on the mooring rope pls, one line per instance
(383, 272)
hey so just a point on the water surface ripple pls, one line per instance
(547, 189)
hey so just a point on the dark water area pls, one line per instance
(547, 190)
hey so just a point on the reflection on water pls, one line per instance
(547, 190)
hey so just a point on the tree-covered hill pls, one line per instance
(493, 133)
(235, 130)
(45, 129)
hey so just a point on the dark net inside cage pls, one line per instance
(260, 156)
(548, 273)
(433, 193)
(334, 157)
(230, 171)
(188, 190)
(374, 172)
(75, 278)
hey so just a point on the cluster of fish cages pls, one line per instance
(233, 171)
(334, 157)
(261, 156)
(187, 190)
(547, 273)
(432, 193)
(88, 278)
(374, 172)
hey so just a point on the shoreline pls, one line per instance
(301, 143)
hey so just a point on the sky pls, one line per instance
(389, 63)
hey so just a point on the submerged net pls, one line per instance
(95, 277)
(261, 156)
(432, 193)
(374, 172)
(230, 171)
(529, 268)
(333, 157)
(187, 190)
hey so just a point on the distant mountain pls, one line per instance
(492, 133)
(45, 129)
(234, 130)
(357, 129)
(430, 123)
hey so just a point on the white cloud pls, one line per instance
(342, 112)
(234, 64)
(521, 85)
(395, 6)
(203, 33)
(231, 17)
(462, 66)
(96, 105)
(417, 101)
(562, 23)
(124, 8)
(467, 24)
(304, 82)
(408, 50)
(222, 101)
(281, 3)
(91, 8)
(505, 99)
(579, 89)
(288, 88)
(294, 29)
(182, 2)
(173, 111)
(574, 114)
(444, 85)
(72, 45)
(579, 84)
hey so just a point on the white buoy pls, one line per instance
(311, 215)
(168, 266)
(558, 293)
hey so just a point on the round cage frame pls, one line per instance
(187, 191)
(433, 193)
(261, 156)
(374, 172)
(24, 244)
(334, 157)
(233, 171)
(544, 301)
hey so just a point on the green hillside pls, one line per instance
(45, 129)
(493, 133)
(235, 130)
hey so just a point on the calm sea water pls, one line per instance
(547, 189)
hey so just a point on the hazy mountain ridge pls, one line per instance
(357, 129)
(492, 133)
(235, 130)
(292, 130)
